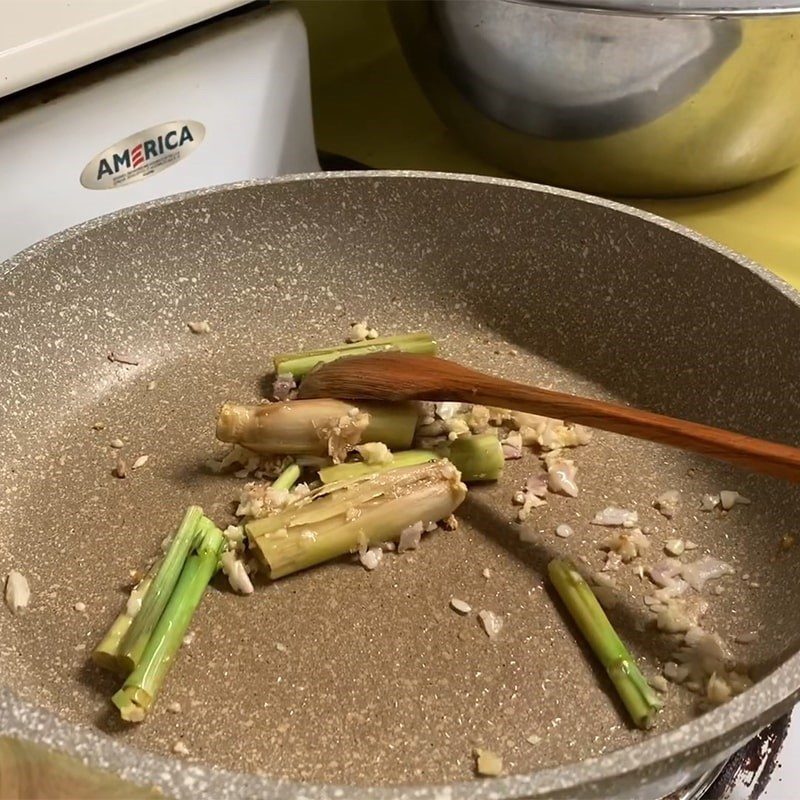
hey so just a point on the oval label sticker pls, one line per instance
(143, 154)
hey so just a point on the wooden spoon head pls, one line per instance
(382, 376)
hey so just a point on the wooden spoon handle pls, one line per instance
(758, 455)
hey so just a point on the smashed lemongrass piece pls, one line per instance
(106, 654)
(316, 427)
(635, 692)
(155, 600)
(478, 458)
(300, 364)
(140, 689)
(349, 515)
(359, 469)
(287, 479)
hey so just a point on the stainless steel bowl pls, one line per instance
(666, 97)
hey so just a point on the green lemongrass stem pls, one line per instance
(300, 364)
(135, 640)
(136, 697)
(477, 458)
(288, 478)
(342, 517)
(636, 694)
(106, 654)
(358, 469)
(302, 427)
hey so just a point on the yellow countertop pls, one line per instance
(367, 106)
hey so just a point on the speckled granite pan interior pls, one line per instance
(377, 682)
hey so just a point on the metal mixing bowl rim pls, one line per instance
(670, 9)
(659, 755)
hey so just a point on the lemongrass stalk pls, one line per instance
(636, 694)
(106, 654)
(288, 478)
(342, 517)
(301, 363)
(138, 693)
(358, 469)
(478, 458)
(135, 640)
(305, 427)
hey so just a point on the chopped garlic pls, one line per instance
(199, 327)
(460, 606)
(180, 748)
(447, 410)
(488, 763)
(718, 691)
(709, 502)
(358, 332)
(659, 682)
(492, 623)
(371, 558)
(235, 569)
(375, 453)
(667, 503)
(674, 546)
(729, 499)
(628, 545)
(18, 593)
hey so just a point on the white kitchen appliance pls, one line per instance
(107, 104)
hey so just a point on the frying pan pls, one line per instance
(379, 688)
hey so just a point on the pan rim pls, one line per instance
(693, 743)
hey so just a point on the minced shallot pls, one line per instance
(698, 573)
(561, 478)
(409, 537)
(234, 568)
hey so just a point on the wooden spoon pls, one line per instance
(399, 376)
